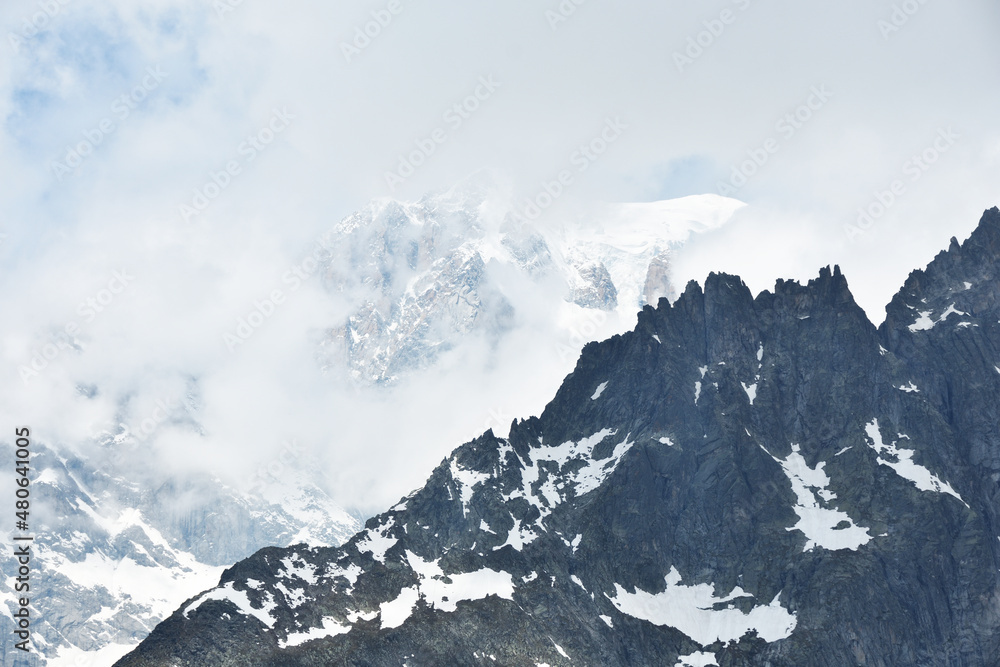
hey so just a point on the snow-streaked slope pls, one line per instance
(628, 237)
(112, 557)
(694, 610)
(420, 277)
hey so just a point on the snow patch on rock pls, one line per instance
(376, 542)
(901, 461)
(467, 480)
(395, 612)
(822, 526)
(600, 390)
(238, 599)
(330, 628)
(690, 609)
(696, 659)
(924, 321)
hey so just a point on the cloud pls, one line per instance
(228, 72)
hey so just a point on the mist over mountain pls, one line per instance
(125, 534)
(739, 480)
(421, 276)
(266, 265)
(117, 547)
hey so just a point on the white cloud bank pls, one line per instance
(203, 127)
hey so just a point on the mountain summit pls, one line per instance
(740, 480)
(419, 277)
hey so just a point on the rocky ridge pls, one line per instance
(740, 480)
(419, 277)
(113, 556)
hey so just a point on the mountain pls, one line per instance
(120, 542)
(740, 480)
(420, 277)
(117, 549)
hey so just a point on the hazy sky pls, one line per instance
(182, 155)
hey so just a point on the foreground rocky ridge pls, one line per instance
(738, 481)
(124, 540)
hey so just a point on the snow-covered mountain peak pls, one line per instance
(422, 276)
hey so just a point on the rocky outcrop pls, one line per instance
(592, 286)
(658, 283)
(741, 480)
(419, 278)
(116, 548)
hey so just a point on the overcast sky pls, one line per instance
(119, 116)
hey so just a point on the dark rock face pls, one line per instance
(738, 481)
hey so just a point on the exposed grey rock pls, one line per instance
(764, 480)
(113, 554)
(440, 305)
(592, 286)
(528, 248)
(418, 278)
(658, 283)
